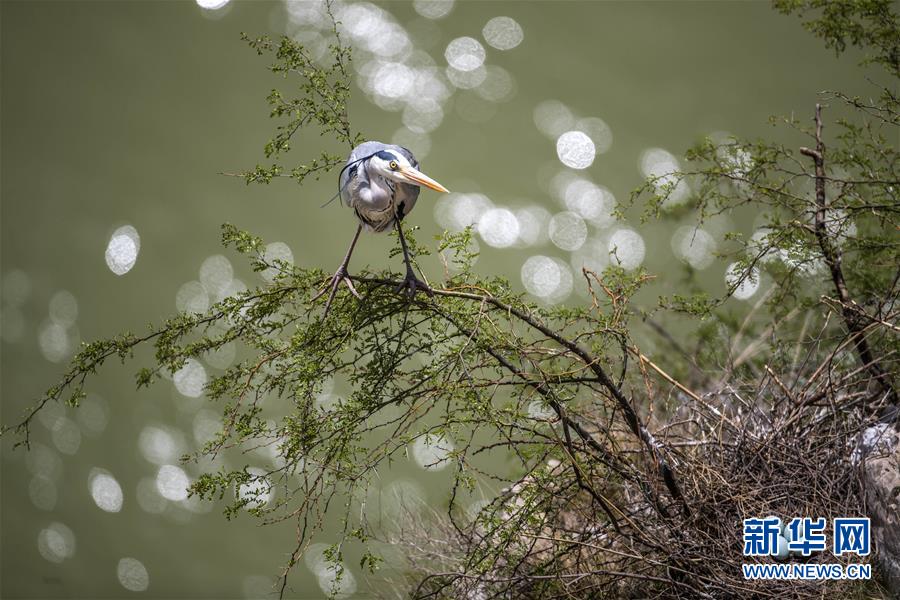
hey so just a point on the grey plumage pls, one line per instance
(378, 201)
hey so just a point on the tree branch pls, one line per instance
(832, 255)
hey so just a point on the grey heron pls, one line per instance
(381, 183)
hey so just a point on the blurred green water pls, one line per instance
(125, 113)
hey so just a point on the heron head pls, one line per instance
(396, 167)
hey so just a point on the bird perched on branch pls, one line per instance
(381, 183)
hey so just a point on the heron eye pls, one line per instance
(393, 165)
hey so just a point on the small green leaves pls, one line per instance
(319, 101)
(868, 24)
(242, 241)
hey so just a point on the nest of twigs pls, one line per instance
(788, 446)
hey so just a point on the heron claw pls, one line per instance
(340, 276)
(411, 284)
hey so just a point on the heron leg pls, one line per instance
(411, 283)
(341, 275)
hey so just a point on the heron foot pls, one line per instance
(411, 285)
(340, 276)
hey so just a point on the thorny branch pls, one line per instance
(832, 256)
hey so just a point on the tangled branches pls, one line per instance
(605, 497)
(489, 359)
(788, 445)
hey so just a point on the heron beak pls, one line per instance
(416, 177)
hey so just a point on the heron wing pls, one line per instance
(348, 174)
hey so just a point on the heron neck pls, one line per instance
(379, 192)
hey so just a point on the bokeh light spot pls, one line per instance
(423, 117)
(748, 285)
(66, 436)
(93, 414)
(503, 33)
(54, 342)
(539, 411)
(546, 278)
(190, 379)
(401, 498)
(223, 356)
(216, 274)
(42, 492)
(56, 543)
(105, 490)
(499, 227)
(334, 579)
(276, 251)
(63, 308)
(567, 230)
(337, 581)
(192, 298)
(575, 149)
(158, 446)
(433, 9)
(592, 202)
(131, 572)
(212, 4)
(694, 246)
(662, 168)
(207, 423)
(465, 54)
(51, 414)
(172, 483)
(393, 80)
(304, 13)
(42, 460)
(257, 491)
(626, 249)
(457, 211)
(432, 452)
(533, 222)
(122, 249)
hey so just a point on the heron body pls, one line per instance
(381, 183)
(367, 188)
